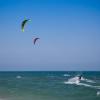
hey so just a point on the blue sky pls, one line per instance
(69, 32)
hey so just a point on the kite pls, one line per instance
(24, 23)
(35, 39)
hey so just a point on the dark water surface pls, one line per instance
(48, 85)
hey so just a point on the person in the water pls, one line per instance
(80, 77)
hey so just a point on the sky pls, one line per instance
(69, 32)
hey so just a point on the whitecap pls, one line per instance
(77, 77)
(18, 77)
(82, 84)
(98, 93)
(74, 80)
(78, 81)
(66, 75)
(88, 80)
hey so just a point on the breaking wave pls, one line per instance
(75, 80)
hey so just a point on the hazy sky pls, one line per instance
(69, 32)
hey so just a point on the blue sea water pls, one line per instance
(48, 85)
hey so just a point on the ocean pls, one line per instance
(49, 85)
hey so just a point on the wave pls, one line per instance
(78, 81)
(87, 80)
(74, 80)
(66, 75)
(83, 84)
(81, 78)
(88, 85)
(18, 77)
(67, 82)
(98, 93)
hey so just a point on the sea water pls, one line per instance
(49, 85)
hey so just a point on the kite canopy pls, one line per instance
(35, 39)
(24, 23)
